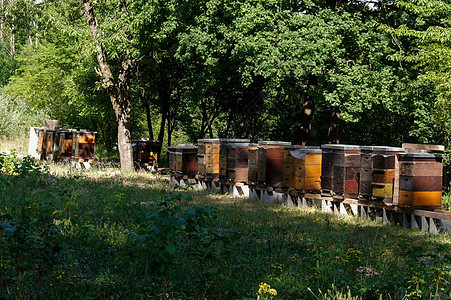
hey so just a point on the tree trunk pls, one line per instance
(336, 127)
(308, 108)
(169, 133)
(119, 92)
(149, 119)
(165, 98)
(164, 116)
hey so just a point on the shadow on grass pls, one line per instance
(290, 249)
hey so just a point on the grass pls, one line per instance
(20, 144)
(71, 233)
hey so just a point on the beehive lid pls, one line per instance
(340, 147)
(422, 155)
(300, 153)
(313, 151)
(238, 144)
(186, 147)
(208, 140)
(234, 140)
(274, 143)
(382, 148)
(425, 147)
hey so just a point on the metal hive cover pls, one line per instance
(238, 144)
(340, 147)
(227, 140)
(382, 148)
(274, 143)
(422, 155)
(208, 140)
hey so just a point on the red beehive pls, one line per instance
(270, 163)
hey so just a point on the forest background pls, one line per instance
(315, 71)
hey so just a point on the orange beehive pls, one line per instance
(420, 180)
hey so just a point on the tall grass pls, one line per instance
(16, 118)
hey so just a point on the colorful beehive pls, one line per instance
(63, 144)
(340, 170)
(270, 163)
(145, 152)
(185, 160)
(377, 172)
(307, 172)
(420, 180)
(384, 173)
(223, 149)
(252, 164)
(46, 143)
(83, 145)
(238, 162)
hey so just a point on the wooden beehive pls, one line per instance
(420, 180)
(238, 162)
(223, 149)
(83, 145)
(63, 144)
(145, 152)
(186, 160)
(172, 159)
(270, 163)
(377, 172)
(212, 149)
(341, 166)
(252, 164)
(383, 173)
(366, 172)
(201, 166)
(288, 167)
(46, 143)
(307, 172)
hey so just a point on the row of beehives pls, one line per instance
(410, 176)
(62, 144)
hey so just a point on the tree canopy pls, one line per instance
(308, 72)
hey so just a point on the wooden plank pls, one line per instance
(439, 214)
(427, 147)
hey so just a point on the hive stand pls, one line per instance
(235, 190)
(434, 222)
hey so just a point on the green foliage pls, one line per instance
(427, 27)
(166, 232)
(66, 233)
(16, 116)
(10, 164)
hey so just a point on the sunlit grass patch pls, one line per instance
(104, 233)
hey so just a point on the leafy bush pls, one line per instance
(16, 117)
